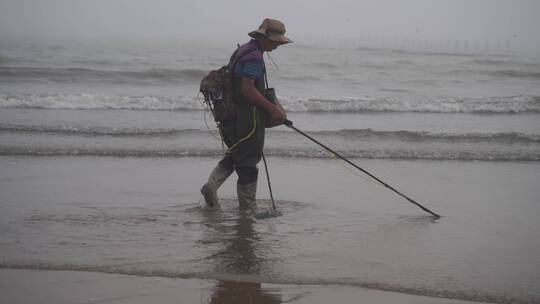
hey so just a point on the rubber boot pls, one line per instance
(209, 190)
(246, 195)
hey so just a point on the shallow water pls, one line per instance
(429, 136)
(104, 147)
(141, 216)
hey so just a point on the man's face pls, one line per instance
(270, 45)
(274, 45)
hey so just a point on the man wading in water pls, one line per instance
(244, 135)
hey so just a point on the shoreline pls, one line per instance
(68, 286)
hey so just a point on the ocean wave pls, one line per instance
(420, 52)
(503, 105)
(397, 154)
(345, 134)
(96, 102)
(107, 152)
(306, 78)
(394, 90)
(97, 131)
(403, 135)
(498, 62)
(143, 271)
(513, 74)
(75, 75)
(510, 104)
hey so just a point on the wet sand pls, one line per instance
(68, 287)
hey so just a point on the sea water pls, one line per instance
(104, 146)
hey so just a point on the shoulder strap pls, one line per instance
(265, 78)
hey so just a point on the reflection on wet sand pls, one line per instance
(237, 256)
(229, 292)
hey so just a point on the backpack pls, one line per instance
(217, 88)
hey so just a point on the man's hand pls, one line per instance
(277, 117)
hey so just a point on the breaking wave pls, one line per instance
(311, 153)
(96, 131)
(96, 102)
(143, 271)
(354, 134)
(510, 104)
(503, 137)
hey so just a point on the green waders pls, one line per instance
(244, 138)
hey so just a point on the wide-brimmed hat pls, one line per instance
(272, 29)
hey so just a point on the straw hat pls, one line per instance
(272, 29)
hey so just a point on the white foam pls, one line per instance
(91, 101)
(511, 104)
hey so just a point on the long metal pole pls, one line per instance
(268, 179)
(289, 124)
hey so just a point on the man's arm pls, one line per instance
(273, 123)
(254, 97)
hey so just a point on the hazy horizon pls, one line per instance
(437, 20)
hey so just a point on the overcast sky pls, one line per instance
(505, 20)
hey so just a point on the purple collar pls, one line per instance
(256, 44)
